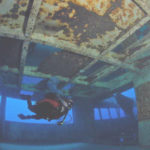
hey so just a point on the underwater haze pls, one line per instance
(107, 124)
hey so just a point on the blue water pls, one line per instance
(17, 106)
(109, 128)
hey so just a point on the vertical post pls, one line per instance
(2, 116)
(118, 112)
(142, 89)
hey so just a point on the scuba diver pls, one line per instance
(125, 103)
(49, 108)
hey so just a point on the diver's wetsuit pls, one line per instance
(46, 109)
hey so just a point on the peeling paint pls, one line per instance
(99, 7)
(74, 22)
(95, 24)
(12, 13)
(126, 15)
(101, 42)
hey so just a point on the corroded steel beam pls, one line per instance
(17, 33)
(89, 52)
(125, 36)
(52, 41)
(24, 52)
(88, 66)
(109, 59)
(31, 71)
(140, 48)
(28, 31)
(105, 72)
(32, 17)
(121, 81)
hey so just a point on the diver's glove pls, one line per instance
(48, 119)
(21, 116)
(60, 123)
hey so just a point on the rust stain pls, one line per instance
(75, 23)
(99, 7)
(72, 13)
(86, 25)
(51, 2)
(103, 40)
(126, 15)
(14, 18)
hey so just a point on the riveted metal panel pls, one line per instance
(93, 24)
(63, 63)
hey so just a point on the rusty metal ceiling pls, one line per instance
(97, 45)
